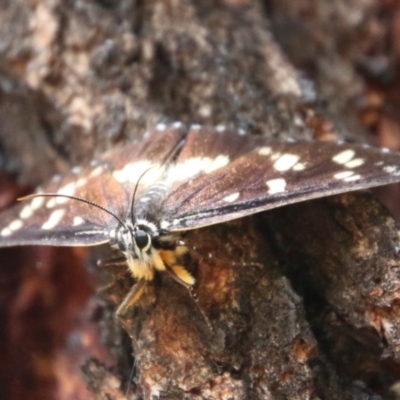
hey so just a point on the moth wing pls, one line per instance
(206, 150)
(60, 221)
(109, 182)
(143, 163)
(274, 175)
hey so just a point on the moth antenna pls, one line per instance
(82, 200)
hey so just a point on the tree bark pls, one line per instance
(302, 300)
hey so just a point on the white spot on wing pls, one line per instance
(97, 171)
(390, 169)
(68, 189)
(12, 227)
(286, 162)
(344, 156)
(177, 125)
(5, 232)
(161, 127)
(26, 212)
(218, 162)
(264, 151)
(54, 219)
(61, 200)
(15, 225)
(195, 165)
(299, 167)
(275, 156)
(232, 197)
(81, 182)
(51, 203)
(276, 185)
(352, 178)
(357, 162)
(78, 221)
(133, 171)
(343, 174)
(36, 203)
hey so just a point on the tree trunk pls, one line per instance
(303, 301)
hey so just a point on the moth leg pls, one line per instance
(248, 264)
(181, 250)
(195, 299)
(121, 274)
(120, 267)
(183, 277)
(130, 300)
(111, 262)
(106, 288)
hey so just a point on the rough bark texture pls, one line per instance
(304, 300)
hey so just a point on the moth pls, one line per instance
(142, 197)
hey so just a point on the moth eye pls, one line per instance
(142, 239)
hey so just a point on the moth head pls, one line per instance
(134, 241)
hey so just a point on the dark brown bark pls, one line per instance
(303, 300)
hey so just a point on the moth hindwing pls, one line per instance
(142, 196)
